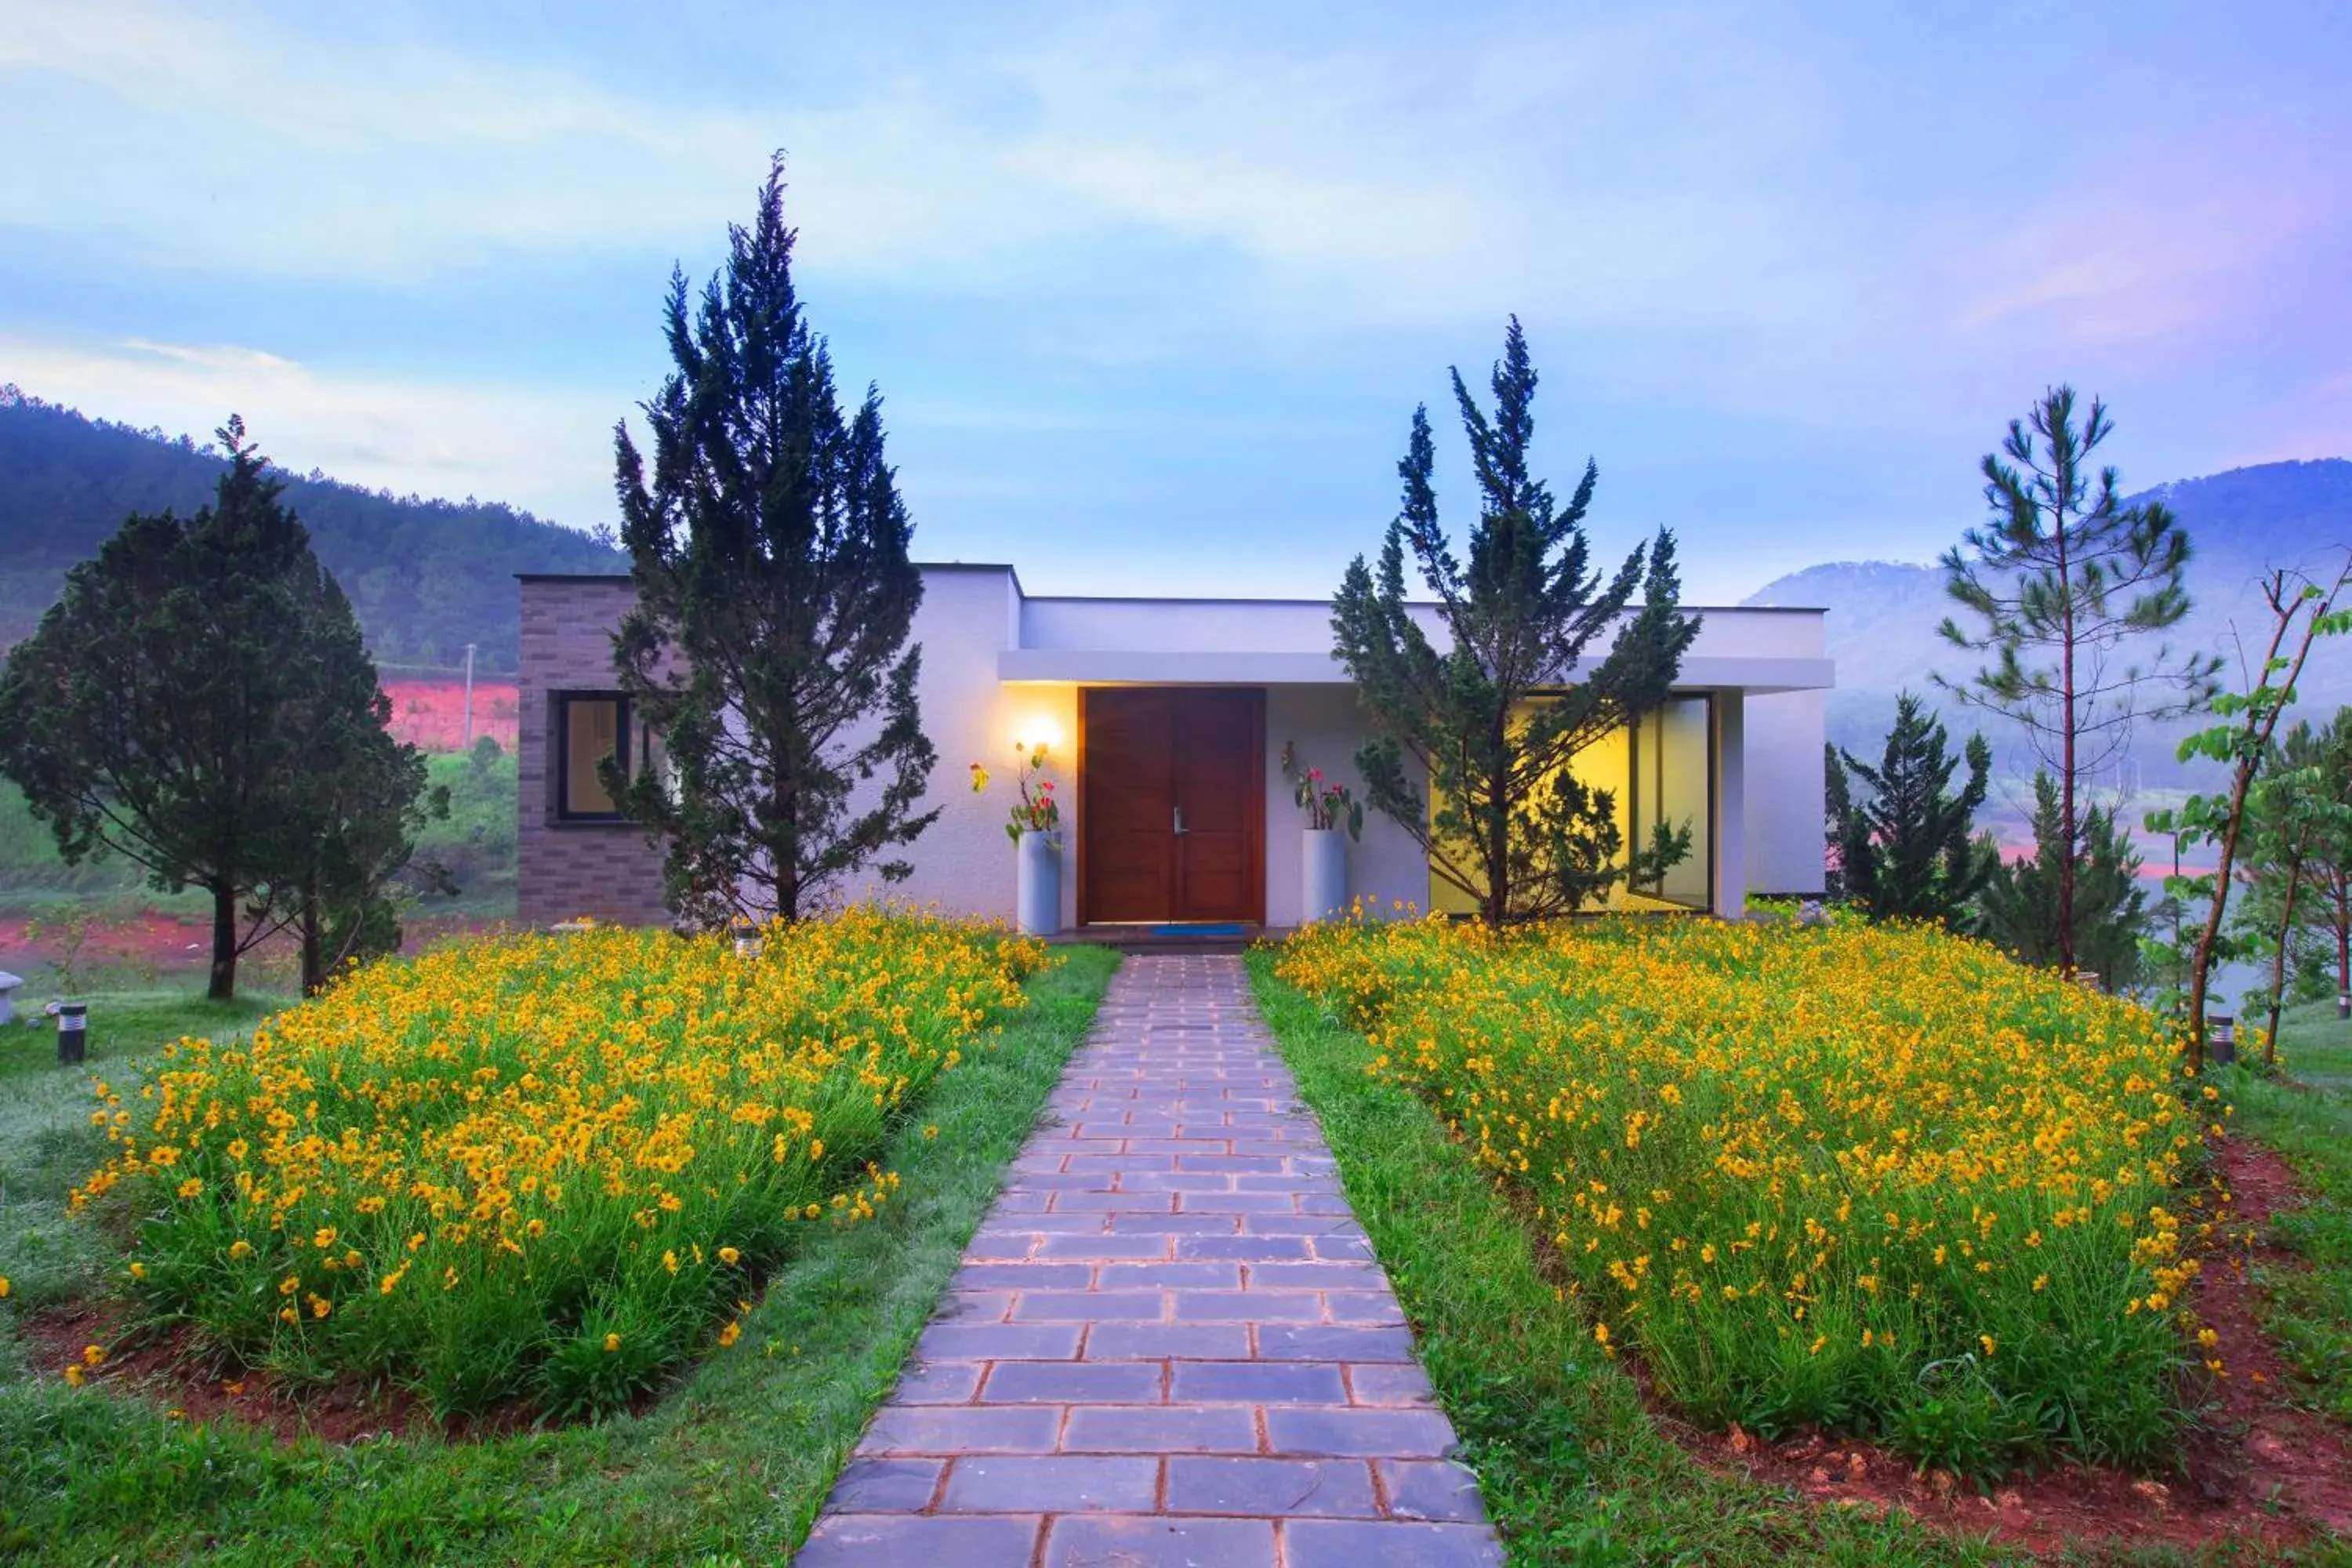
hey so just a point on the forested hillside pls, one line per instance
(426, 578)
(1884, 614)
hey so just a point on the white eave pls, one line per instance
(1203, 666)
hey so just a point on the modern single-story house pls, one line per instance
(1165, 720)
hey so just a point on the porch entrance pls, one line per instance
(1172, 804)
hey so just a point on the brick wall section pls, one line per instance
(563, 870)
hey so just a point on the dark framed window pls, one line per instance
(589, 727)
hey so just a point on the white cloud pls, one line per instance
(546, 449)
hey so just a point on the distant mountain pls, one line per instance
(1884, 614)
(426, 578)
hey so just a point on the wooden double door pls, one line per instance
(1172, 804)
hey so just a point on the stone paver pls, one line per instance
(1169, 1342)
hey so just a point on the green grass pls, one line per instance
(47, 1144)
(2307, 1118)
(1572, 1468)
(732, 1465)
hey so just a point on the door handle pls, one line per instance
(1180, 820)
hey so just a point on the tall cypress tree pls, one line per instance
(769, 643)
(1904, 853)
(171, 706)
(1471, 746)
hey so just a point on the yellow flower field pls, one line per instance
(1880, 1180)
(545, 1168)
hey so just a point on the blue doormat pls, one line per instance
(1200, 930)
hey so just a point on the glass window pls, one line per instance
(589, 728)
(1660, 769)
(1674, 783)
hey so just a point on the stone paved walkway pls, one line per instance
(1169, 1343)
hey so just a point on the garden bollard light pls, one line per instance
(73, 1022)
(747, 940)
(2222, 1039)
(9, 983)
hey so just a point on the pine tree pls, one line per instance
(1904, 852)
(2018, 909)
(2331, 857)
(768, 646)
(2290, 815)
(1471, 746)
(170, 707)
(2063, 580)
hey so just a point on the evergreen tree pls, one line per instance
(356, 838)
(1904, 852)
(170, 706)
(2331, 858)
(768, 646)
(2018, 909)
(1471, 745)
(2292, 813)
(2063, 580)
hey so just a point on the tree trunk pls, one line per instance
(2201, 967)
(2278, 959)
(223, 987)
(2067, 769)
(1498, 823)
(2343, 947)
(313, 967)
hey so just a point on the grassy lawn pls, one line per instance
(47, 1144)
(1572, 1468)
(732, 1465)
(2307, 1118)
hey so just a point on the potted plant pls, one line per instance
(1035, 826)
(1323, 853)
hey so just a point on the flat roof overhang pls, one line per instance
(1135, 667)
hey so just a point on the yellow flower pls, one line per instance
(612, 1344)
(240, 1248)
(325, 1238)
(1987, 1342)
(727, 1335)
(91, 1355)
(670, 1261)
(73, 1377)
(138, 1269)
(4, 1286)
(728, 1256)
(817, 1149)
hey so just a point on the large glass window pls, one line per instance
(589, 727)
(1674, 783)
(1660, 769)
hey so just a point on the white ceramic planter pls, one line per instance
(1322, 874)
(1037, 895)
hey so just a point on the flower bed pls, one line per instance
(538, 1168)
(1882, 1180)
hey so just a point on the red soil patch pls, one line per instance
(173, 946)
(431, 713)
(171, 1371)
(2254, 1468)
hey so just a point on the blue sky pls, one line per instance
(1150, 292)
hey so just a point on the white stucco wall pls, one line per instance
(1322, 722)
(963, 862)
(1784, 737)
(976, 628)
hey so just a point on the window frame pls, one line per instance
(623, 723)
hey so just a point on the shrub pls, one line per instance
(537, 1168)
(1878, 1180)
